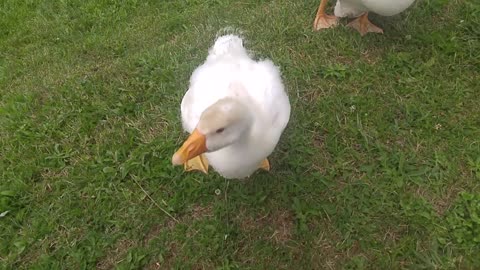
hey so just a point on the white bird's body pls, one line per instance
(360, 10)
(229, 72)
(354, 8)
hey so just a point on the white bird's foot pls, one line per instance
(198, 163)
(323, 20)
(265, 165)
(364, 26)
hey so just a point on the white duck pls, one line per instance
(359, 9)
(235, 110)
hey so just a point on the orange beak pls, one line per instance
(192, 147)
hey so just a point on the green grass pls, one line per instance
(379, 166)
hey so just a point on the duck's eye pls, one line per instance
(220, 130)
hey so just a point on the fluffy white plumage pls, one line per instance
(230, 72)
(354, 8)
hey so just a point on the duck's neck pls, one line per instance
(254, 127)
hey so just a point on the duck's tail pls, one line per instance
(228, 45)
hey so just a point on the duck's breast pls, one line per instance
(270, 105)
(235, 162)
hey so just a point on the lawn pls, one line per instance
(379, 166)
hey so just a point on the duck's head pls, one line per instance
(222, 124)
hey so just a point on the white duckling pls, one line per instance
(359, 9)
(235, 110)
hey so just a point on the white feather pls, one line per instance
(229, 71)
(354, 8)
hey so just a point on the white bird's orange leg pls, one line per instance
(363, 25)
(265, 165)
(323, 20)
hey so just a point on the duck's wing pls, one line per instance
(266, 87)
